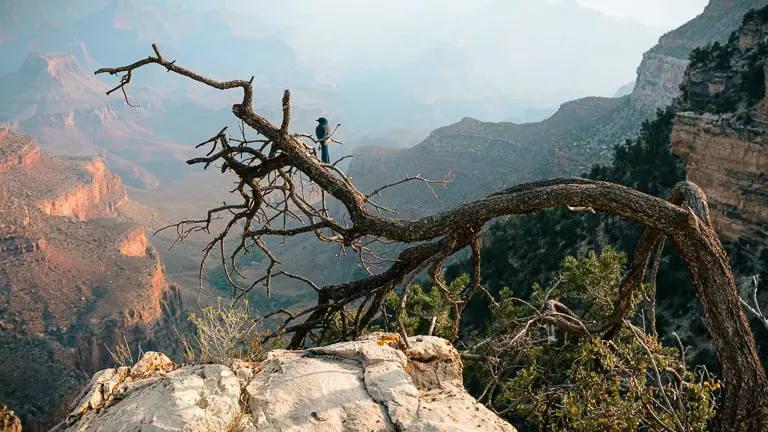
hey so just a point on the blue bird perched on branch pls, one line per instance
(323, 132)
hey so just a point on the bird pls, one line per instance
(323, 132)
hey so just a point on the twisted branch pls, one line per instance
(267, 193)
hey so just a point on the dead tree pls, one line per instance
(271, 204)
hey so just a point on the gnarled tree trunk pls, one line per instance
(684, 220)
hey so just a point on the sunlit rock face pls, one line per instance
(76, 277)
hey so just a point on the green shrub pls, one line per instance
(559, 382)
(753, 82)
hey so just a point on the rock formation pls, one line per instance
(722, 133)
(51, 98)
(661, 71)
(96, 198)
(658, 81)
(372, 384)
(18, 150)
(732, 168)
(76, 277)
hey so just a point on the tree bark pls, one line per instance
(684, 220)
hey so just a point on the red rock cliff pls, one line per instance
(96, 197)
(76, 277)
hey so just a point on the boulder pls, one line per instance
(371, 384)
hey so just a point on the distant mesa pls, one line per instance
(51, 98)
(52, 83)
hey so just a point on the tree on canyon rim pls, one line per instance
(270, 193)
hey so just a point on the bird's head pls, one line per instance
(322, 120)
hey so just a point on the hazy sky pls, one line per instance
(307, 23)
(657, 13)
(663, 13)
(525, 39)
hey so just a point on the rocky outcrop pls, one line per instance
(134, 243)
(94, 198)
(731, 166)
(13, 246)
(372, 384)
(16, 150)
(658, 82)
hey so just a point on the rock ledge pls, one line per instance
(367, 385)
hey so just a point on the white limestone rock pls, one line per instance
(372, 384)
(150, 397)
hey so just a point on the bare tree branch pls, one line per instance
(755, 310)
(267, 193)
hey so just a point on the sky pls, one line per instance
(309, 24)
(668, 14)
(332, 33)
(657, 13)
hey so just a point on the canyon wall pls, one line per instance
(658, 82)
(76, 277)
(721, 131)
(731, 166)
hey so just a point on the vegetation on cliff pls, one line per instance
(717, 21)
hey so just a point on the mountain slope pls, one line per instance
(714, 24)
(53, 99)
(544, 152)
(75, 276)
(483, 156)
